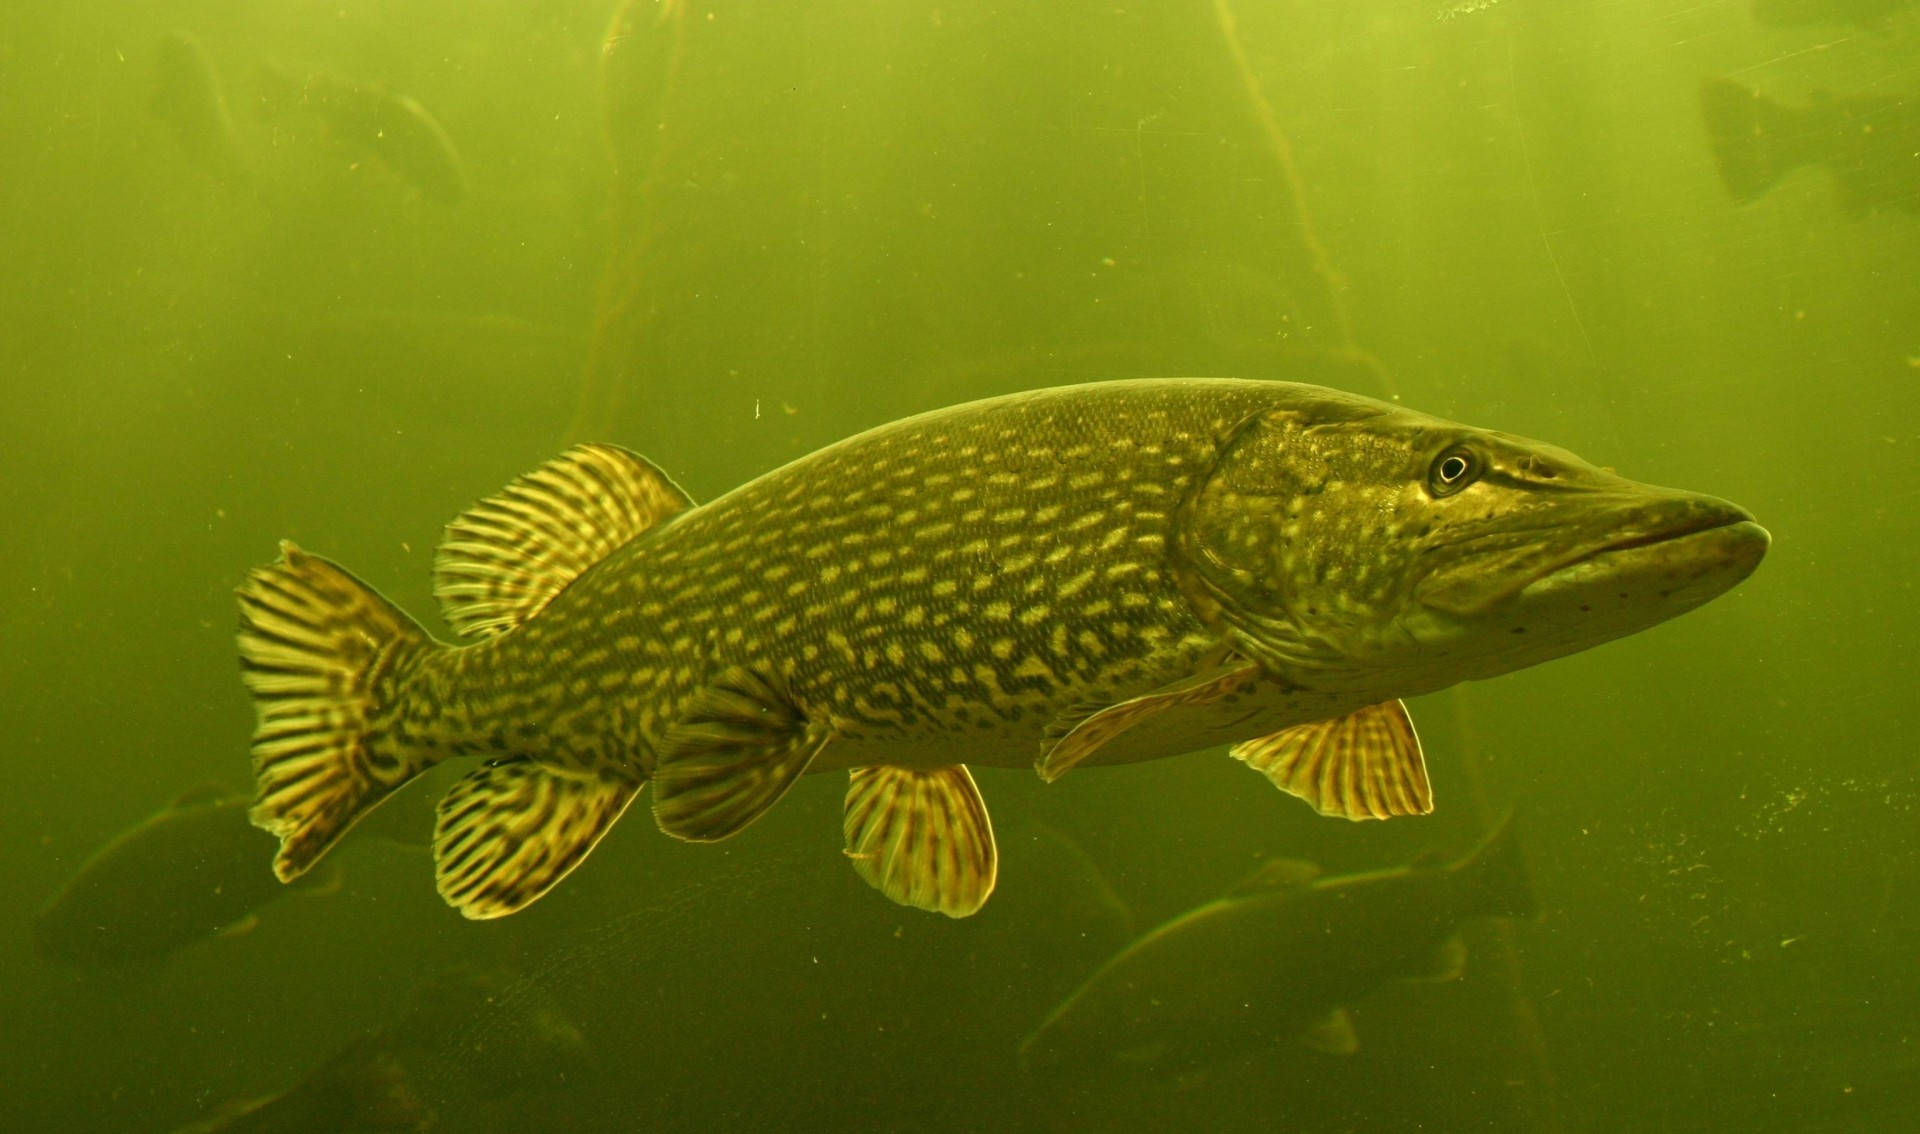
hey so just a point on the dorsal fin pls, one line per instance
(507, 556)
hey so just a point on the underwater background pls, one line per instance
(332, 271)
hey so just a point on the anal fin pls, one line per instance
(922, 837)
(740, 745)
(1365, 765)
(509, 832)
(247, 923)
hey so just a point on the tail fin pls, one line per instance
(1755, 140)
(323, 656)
(1492, 880)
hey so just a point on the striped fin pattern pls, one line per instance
(740, 746)
(1366, 765)
(506, 557)
(509, 832)
(922, 837)
(319, 650)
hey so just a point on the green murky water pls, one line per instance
(332, 271)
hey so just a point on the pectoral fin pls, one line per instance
(1076, 737)
(1365, 765)
(247, 924)
(1448, 962)
(922, 837)
(1332, 1033)
(507, 833)
(740, 746)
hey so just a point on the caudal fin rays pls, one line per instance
(323, 656)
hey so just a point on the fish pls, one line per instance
(1081, 575)
(394, 128)
(1870, 143)
(1284, 954)
(183, 875)
(471, 1033)
(362, 1087)
(187, 873)
(493, 1031)
(191, 98)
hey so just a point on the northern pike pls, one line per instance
(1869, 143)
(190, 97)
(470, 1033)
(181, 876)
(1101, 573)
(1282, 954)
(393, 128)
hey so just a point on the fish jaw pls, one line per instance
(1676, 571)
(1628, 568)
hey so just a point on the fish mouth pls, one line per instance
(1666, 544)
(1718, 541)
(1684, 528)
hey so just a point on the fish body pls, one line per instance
(394, 128)
(361, 1087)
(1869, 143)
(180, 876)
(190, 97)
(1103, 573)
(480, 1032)
(1282, 956)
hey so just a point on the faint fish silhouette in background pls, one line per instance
(184, 875)
(471, 1037)
(191, 98)
(1281, 955)
(1871, 144)
(392, 128)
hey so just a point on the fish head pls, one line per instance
(1351, 544)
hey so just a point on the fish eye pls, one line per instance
(1452, 471)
